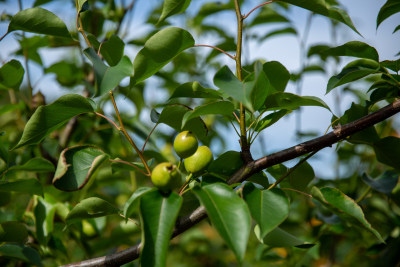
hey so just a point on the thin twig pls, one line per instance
(110, 120)
(148, 137)
(219, 49)
(79, 26)
(298, 191)
(251, 11)
(130, 164)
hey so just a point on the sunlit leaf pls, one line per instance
(173, 7)
(220, 108)
(290, 101)
(270, 119)
(224, 208)
(51, 117)
(133, 202)
(194, 90)
(76, 165)
(353, 49)
(159, 214)
(112, 50)
(34, 165)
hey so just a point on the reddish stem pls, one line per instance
(113, 123)
(251, 11)
(219, 49)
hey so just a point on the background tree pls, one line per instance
(76, 170)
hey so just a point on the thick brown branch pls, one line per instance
(253, 167)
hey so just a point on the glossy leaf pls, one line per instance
(38, 20)
(92, 207)
(384, 183)
(34, 165)
(387, 151)
(13, 232)
(353, 71)
(29, 186)
(11, 75)
(107, 78)
(322, 8)
(390, 8)
(353, 49)
(344, 207)
(227, 82)
(159, 214)
(172, 115)
(76, 165)
(51, 117)
(281, 238)
(277, 75)
(194, 90)
(21, 252)
(226, 164)
(270, 119)
(133, 202)
(173, 7)
(160, 49)
(112, 50)
(290, 101)
(269, 208)
(220, 108)
(224, 209)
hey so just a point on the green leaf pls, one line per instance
(160, 49)
(387, 151)
(92, 207)
(83, 5)
(38, 20)
(76, 165)
(226, 164)
(281, 238)
(51, 117)
(194, 90)
(159, 214)
(286, 30)
(107, 78)
(12, 107)
(301, 176)
(290, 101)
(353, 49)
(20, 252)
(390, 8)
(353, 71)
(172, 115)
(322, 8)
(269, 208)
(268, 15)
(220, 108)
(133, 202)
(34, 165)
(173, 7)
(228, 213)
(270, 119)
(258, 86)
(68, 74)
(384, 183)
(13, 232)
(277, 75)
(44, 220)
(112, 50)
(30, 186)
(11, 75)
(394, 65)
(344, 207)
(227, 82)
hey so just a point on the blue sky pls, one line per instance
(284, 49)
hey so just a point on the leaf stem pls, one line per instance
(79, 26)
(298, 191)
(111, 121)
(251, 11)
(219, 49)
(148, 137)
(364, 194)
(130, 164)
(123, 130)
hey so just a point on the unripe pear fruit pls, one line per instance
(185, 144)
(199, 160)
(166, 177)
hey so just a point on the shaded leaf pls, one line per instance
(38, 20)
(34, 165)
(160, 49)
(258, 86)
(44, 217)
(92, 207)
(194, 90)
(301, 176)
(268, 15)
(384, 183)
(290, 101)
(287, 30)
(387, 151)
(394, 65)
(220, 108)
(353, 49)
(24, 253)
(173, 7)
(226, 164)
(270, 119)
(344, 207)
(224, 208)
(133, 202)
(159, 214)
(281, 238)
(390, 8)
(11, 75)
(269, 208)
(277, 75)
(112, 50)
(30, 186)
(76, 165)
(13, 232)
(51, 117)
(83, 5)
